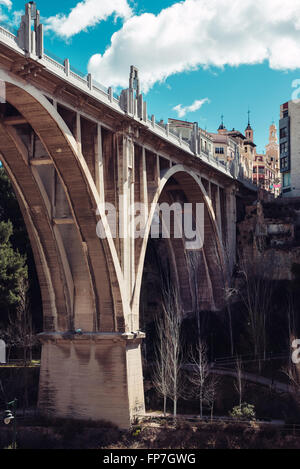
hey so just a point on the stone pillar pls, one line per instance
(78, 132)
(218, 210)
(31, 41)
(126, 194)
(143, 184)
(231, 226)
(92, 376)
(67, 67)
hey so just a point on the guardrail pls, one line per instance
(231, 360)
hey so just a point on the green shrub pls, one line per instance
(243, 412)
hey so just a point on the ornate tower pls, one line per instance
(249, 130)
(222, 129)
(272, 148)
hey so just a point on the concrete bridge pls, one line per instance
(70, 145)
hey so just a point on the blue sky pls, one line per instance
(212, 58)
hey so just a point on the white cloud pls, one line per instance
(6, 3)
(16, 19)
(183, 110)
(195, 33)
(86, 13)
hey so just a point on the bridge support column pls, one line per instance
(231, 225)
(92, 376)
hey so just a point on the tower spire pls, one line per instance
(222, 126)
(249, 131)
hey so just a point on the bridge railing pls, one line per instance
(231, 360)
(54, 63)
(8, 27)
(54, 57)
(7, 32)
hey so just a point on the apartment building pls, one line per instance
(289, 141)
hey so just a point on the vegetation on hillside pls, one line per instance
(16, 259)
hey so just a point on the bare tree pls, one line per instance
(211, 392)
(228, 291)
(239, 379)
(161, 368)
(291, 317)
(173, 319)
(194, 259)
(199, 374)
(256, 294)
(167, 375)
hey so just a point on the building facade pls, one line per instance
(289, 140)
(185, 130)
(237, 151)
(266, 172)
(235, 144)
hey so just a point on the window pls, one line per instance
(261, 170)
(219, 150)
(283, 132)
(254, 169)
(284, 147)
(284, 163)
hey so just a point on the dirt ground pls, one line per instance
(152, 434)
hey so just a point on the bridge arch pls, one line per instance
(99, 255)
(213, 253)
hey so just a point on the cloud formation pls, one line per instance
(183, 110)
(195, 33)
(5, 3)
(86, 13)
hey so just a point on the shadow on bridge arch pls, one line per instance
(181, 184)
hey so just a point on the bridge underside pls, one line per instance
(63, 166)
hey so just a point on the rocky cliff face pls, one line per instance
(269, 235)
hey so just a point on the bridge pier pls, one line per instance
(92, 376)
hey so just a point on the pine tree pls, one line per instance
(13, 271)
